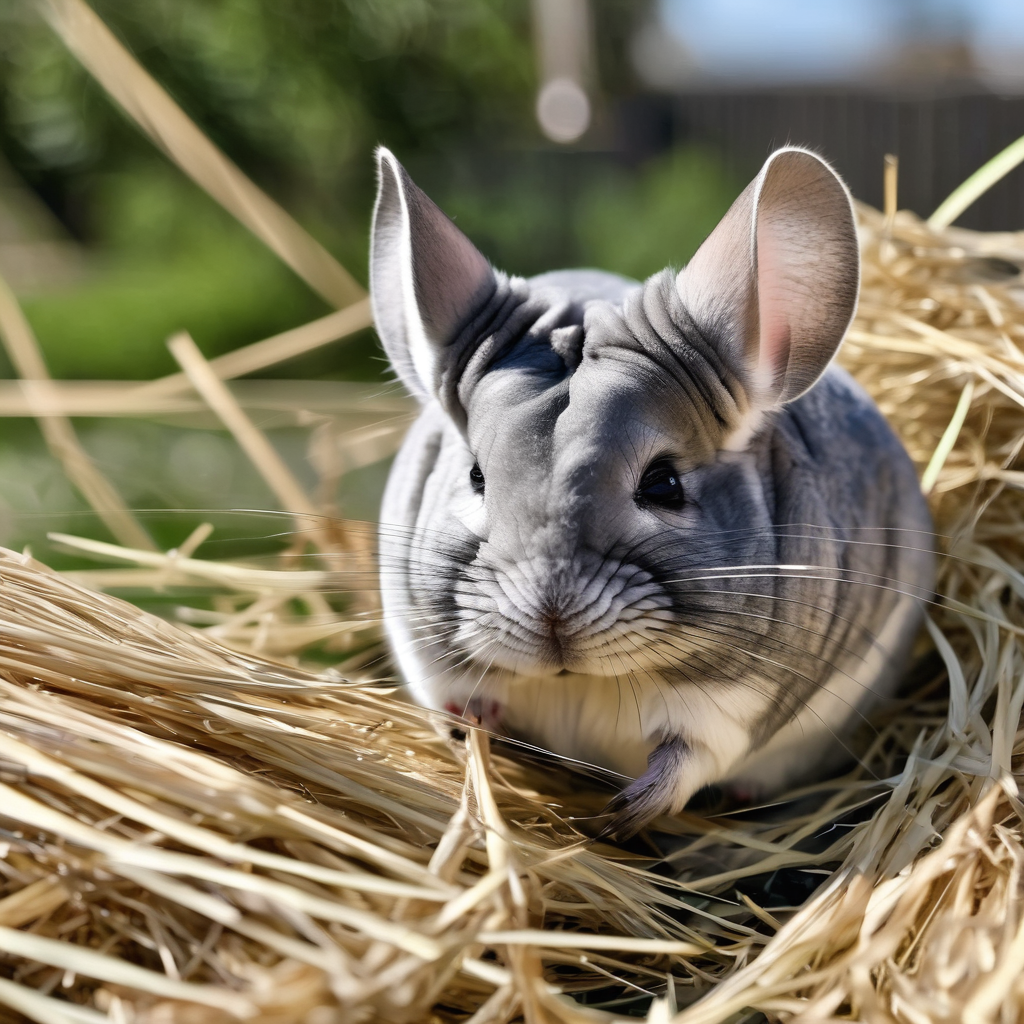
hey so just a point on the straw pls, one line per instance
(263, 354)
(212, 831)
(23, 349)
(948, 439)
(969, 191)
(106, 968)
(356, 405)
(890, 185)
(153, 110)
(250, 439)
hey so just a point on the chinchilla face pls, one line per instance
(575, 521)
(587, 492)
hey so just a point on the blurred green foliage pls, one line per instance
(169, 259)
(637, 224)
(298, 94)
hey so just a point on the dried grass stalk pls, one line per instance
(153, 110)
(362, 406)
(19, 341)
(250, 438)
(269, 352)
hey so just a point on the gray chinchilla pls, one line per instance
(647, 526)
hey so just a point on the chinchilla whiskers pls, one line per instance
(841, 645)
(466, 650)
(812, 531)
(691, 574)
(455, 562)
(737, 632)
(808, 573)
(799, 704)
(915, 540)
(787, 600)
(732, 641)
(455, 559)
(660, 685)
(441, 637)
(444, 633)
(786, 570)
(636, 700)
(666, 690)
(438, 633)
(463, 656)
(438, 666)
(709, 654)
(783, 670)
(428, 617)
(664, 687)
(484, 672)
(407, 532)
(851, 624)
(925, 544)
(690, 633)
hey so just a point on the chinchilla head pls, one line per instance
(607, 432)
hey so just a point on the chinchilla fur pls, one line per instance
(648, 526)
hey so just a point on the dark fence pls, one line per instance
(940, 140)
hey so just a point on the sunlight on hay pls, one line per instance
(193, 833)
(199, 824)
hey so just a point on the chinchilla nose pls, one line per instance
(558, 611)
(546, 614)
(555, 589)
(556, 599)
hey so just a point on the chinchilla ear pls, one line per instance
(426, 278)
(775, 284)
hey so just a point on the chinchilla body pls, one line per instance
(647, 526)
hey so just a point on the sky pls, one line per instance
(834, 40)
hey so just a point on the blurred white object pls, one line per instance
(564, 39)
(563, 110)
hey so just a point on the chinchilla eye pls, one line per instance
(476, 478)
(660, 486)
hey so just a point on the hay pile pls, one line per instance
(194, 827)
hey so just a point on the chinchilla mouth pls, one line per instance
(547, 616)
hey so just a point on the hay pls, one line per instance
(194, 833)
(199, 825)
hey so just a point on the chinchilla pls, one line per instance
(648, 526)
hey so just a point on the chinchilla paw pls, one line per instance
(653, 793)
(481, 711)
